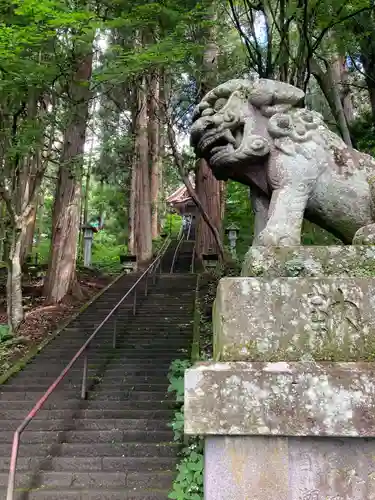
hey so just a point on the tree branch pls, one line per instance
(335, 23)
(180, 165)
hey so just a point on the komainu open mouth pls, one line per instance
(213, 141)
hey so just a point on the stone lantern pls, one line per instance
(88, 235)
(232, 232)
(210, 260)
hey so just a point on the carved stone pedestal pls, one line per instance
(288, 405)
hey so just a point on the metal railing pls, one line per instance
(193, 257)
(150, 271)
(180, 239)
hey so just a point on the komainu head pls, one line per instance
(240, 122)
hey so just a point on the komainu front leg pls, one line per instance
(285, 217)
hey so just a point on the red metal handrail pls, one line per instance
(152, 269)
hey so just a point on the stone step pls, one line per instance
(71, 404)
(94, 450)
(42, 383)
(125, 345)
(87, 480)
(130, 361)
(111, 464)
(91, 436)
(90, 414)
(120, 385)
(110, 371)
(11, 396)
(107, 494)
(58, 424)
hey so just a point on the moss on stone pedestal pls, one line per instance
(346, 261)
(330, 351)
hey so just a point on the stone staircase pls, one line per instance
(184, 257)
(117, 443)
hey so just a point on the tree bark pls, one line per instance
(61, 276)
(154, 153)
(133, 193)
(161, 194)
(368, 61)
(3, 215)
(340, 77)
(28, 235)
(143, 237)
(331, 92)
(209, 190)
(206, 185)
(14, 281)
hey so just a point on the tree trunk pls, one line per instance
(3, 215)
(207, 187)
(85, 207)
(154, 154)
(133, 194)
(61, 276)
(208, 190)
(28, 235)
(14, 280)
(331, 92)
(368, 61)
(163, 92)
(161, 194)
(143, 237)
(340, 77)
(223, 191)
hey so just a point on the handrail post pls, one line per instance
(154, 275)
(84, 376)
(114, 339)
(13, 465)
(189, 231)
(135, 301)
(146, 287)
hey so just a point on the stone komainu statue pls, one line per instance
(258, 134)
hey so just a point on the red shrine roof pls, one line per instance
(181, 195)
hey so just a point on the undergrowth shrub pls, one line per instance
(188, 484)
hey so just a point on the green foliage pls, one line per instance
(5, 333)
(314, 235)
(362, 133)
(42, 250)
(189, 482)
(172, 224)
(176, 378)
(238, 211)
(107, 257)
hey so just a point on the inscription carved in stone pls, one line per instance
(334, 315)
(314, 495)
